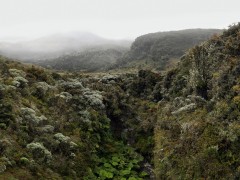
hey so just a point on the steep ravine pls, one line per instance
(183, 123)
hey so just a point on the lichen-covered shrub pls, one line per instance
(30, 117)
(2, 168)
(188, 107)
(46, 129)
(61, 138)
(41, 89)
(93, 98)
(19, 82)
(71, 84)
(197, 133)
(17, 73)
(40, 152)
(85, 116)
(65, 144)
(110, 79)
(65, 95)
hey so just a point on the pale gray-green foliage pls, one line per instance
(29, 115)
(2, 87)
(65, 95)
(109, 79)
(189, 126)
(40, 151)
(71, 84)
(17, 72)
(229, 132)
(61, 138)
(93, 98)
(18, 81)
(2, 168)
(43, 86)
(72, 145)
(197, 99)
(181, 104)
(66, 141)
(185, 108)
(85, 116)
(88, 97)
(46, 129)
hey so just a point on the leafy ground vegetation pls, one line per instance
(178, 124)
(197, 132)
(72, 126)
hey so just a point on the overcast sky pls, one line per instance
(112, 18)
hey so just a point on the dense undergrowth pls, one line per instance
(197, 133)
(71, 126)
(178, 124)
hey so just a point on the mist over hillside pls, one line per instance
(154, 50)
(158, 49)
(145, 125)
(91, 60)
(56, 45)
(119, 90)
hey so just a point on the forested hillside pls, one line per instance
(197, 133)
(158, 49)
(154, 51)
(178, 124)
(72, 126)
(95, 60)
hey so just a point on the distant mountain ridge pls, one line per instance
(182, 123)
(94, 60)
(154, 50)
(56, 45)
(79, 51)
(160, 47)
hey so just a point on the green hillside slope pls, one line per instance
(158, 49)
(178, 124)
(197, 133)
(96, 60)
